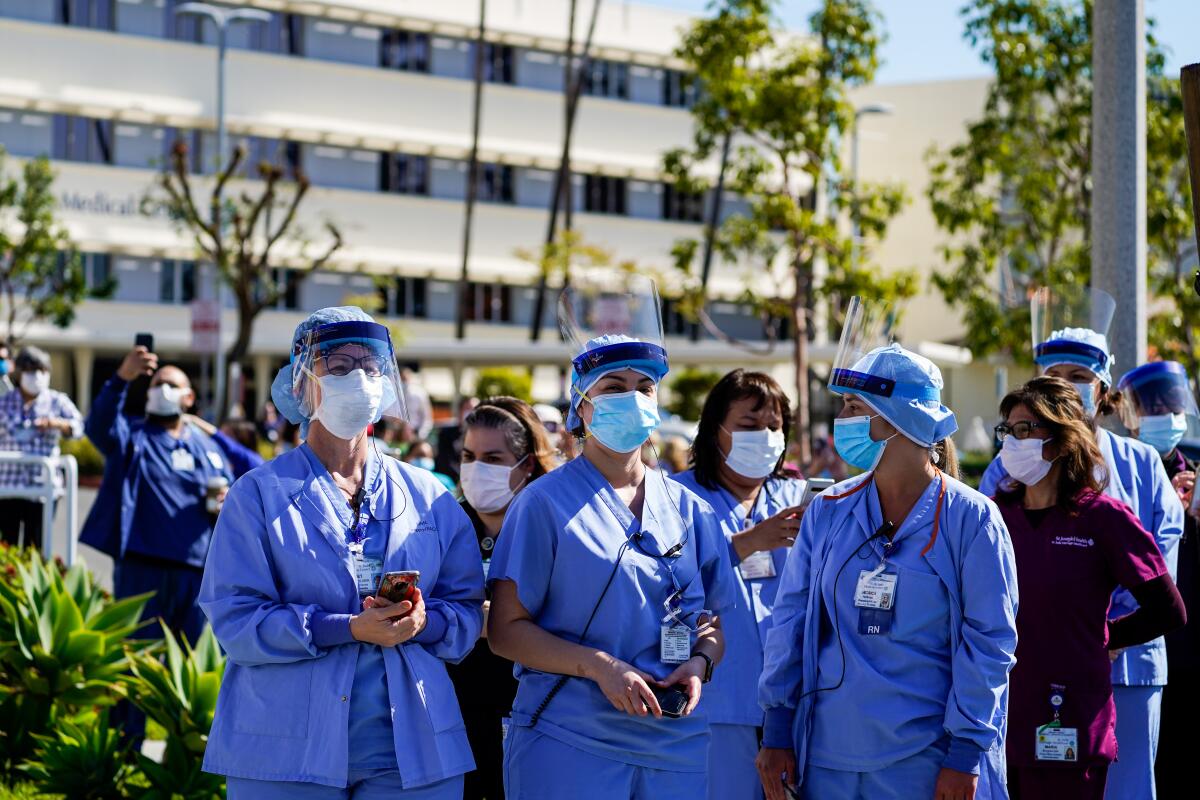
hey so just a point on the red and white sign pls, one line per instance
(206, 326)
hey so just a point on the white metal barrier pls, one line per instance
(47, 493)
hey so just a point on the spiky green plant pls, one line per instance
(83, 761)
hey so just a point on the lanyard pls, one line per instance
(937, 513)
(764, 495)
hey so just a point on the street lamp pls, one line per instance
(862, 111)
(222, 19)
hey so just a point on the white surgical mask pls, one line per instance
(754, 454)
(1022, 460)
(349, 403)
(487, 486)
(35, 381)
(164, 400)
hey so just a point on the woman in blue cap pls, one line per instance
(1070, 342)
(1159, 408)
(886, 666)
(737, 467)
(331, 690)
(606, 582)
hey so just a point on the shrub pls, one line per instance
(87, 760)
(689, 390)
(91, 462)
(496, 381)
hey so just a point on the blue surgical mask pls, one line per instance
(853, 442)
(623, 422)
(1087, 391)
(425, 462)
(1163, 431)
(3, 366)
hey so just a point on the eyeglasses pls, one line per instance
(340, 364)
(1021, 430)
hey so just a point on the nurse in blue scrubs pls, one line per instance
(737, 458)
(886, 666)
(1070, 342)
(330, 691)
(607, 583)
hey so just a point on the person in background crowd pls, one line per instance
(450, 440)
(504, 449)
(737, 460)
(152, 513)
(416, 399)
(420, 455)
(238, 440)
(674, 455)
(552, 420)
(290, 437)
(270, 423)
(825, 461)
(384, 434)
(1074, 546)
(33, 418)
(6, 385)
(886, 666)
(607, 585)
(332, 690)
(1158, 406)
(1136, 477)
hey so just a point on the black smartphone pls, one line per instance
(145, 340)
(672, 700)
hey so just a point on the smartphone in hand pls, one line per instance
(399, 586)
(145, 340)
(672, 700)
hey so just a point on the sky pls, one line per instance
(925, 36)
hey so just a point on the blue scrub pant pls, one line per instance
(915, 776)
(176, 588)
(537, 767)
(731, 771)
(1131, 776)
(364, 785)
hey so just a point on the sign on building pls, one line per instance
(206, 326)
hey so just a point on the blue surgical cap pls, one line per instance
(1079, 346)
(281, 388)
(911, 398)
(649, 360)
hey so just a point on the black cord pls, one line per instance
(884, 530)
(403, 489)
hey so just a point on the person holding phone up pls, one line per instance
(737, 459)
(332, 689)
(607, 582)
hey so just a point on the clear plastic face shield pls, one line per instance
(1069, 326)
(355, 353)
(868, 326)
(614, 324)
(1158, 389)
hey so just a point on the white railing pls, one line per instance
(47, 492)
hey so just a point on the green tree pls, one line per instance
(504, 381)
(41, 275)
(784, 103)
(689, 388)
(1015, 196)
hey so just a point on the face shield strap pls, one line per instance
(369, 334)
(855, 382)
(641, 356)
(1078, 352)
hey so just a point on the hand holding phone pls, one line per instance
(672, 700)
(399, 586)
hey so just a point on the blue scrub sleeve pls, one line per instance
(525, 550)
(454, 604)
(780, 685)
(1168, 516)
(989, 484)
(987, 643)
(239, 593)
(241, 459)
(106, 426)
(331, 630)
(720, 584)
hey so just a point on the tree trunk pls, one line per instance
(248, 311)
(460, 316)
(800, 352)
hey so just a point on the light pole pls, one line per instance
(873, 108)
(222, 19)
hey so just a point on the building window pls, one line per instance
(278, 152)
(83, 139)
(603, 194)
(284, 34)
(678, 89)
(401, 173)
(495, 183)
(497, 62)
(674, 322)
(681, 206)
(488, 302)
(97, 269)
(177, 281)
(287, 283)
(404, 50)
(86, 13)
(607, 79)
(407, 297)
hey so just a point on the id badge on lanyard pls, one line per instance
(1052, 741)
(759, 565)
(367, 569)
(875, 597)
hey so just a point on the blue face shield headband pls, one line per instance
(1064, 351)
(645, 357)
(859, 382)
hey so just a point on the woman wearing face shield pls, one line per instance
(1074, 546)
(1070, 342)
(332, 691)
(606, 585)
(1159, 409)
(894, 627)
(737, 460)
(504, 448)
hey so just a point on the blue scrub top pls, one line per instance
(1138, 479)
(942, 673)
(279, 590)
(560, 541)
(732, 697)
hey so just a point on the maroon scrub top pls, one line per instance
(1067, 567)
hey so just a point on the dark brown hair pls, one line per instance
(1057, 405)
(737, 385)
(523, 431)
